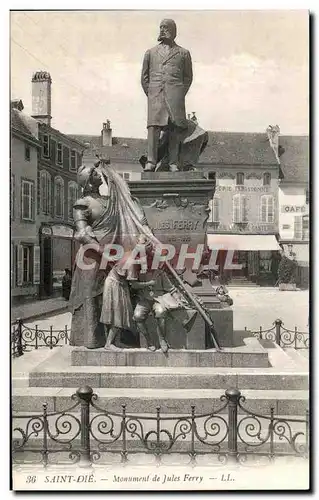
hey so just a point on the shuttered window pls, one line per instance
(36, 265)
(267, 208)
(59, 197)
(73, 165)
(298, 227)
(215, 209)
(59, 154)
(27, 200)
(25, 265)
(240, 208)
(72, 197)
(45, 192)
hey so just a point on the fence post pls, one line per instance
(278, 324)
(19, 339)
(85, 395)
(233, 396)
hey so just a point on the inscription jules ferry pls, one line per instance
(178, 225)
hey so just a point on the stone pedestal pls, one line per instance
(176, 206)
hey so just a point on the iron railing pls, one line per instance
(24, 338)
(283, 336)
(85, 434)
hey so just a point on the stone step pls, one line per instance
(176, 401)
(247, 355)
(49, 375)
(299, 356)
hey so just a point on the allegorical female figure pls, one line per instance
(99, 220)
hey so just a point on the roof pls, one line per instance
(229, 148)
(294, 161)
(123, 148)
(20, 124)
(71, 138)
(223, 148)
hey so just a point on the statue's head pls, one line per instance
(168, 31)
(89, 177)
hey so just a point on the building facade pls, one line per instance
(244, 211)
(25, 251)
(59, 158)
(294, 197)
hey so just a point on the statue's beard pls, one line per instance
(165, 38)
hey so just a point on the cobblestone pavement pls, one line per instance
(253, 307)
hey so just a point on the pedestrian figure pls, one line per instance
(66, 284)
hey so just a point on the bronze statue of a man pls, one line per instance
(166, 78)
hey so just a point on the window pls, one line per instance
(59, 197)
(66, 157)
(45, 146)
(12, 196)
(59, 155)
(301, 227)
(307, 196)
(240, 179)
(212, 176)
(25, 257)
(305, 227)
(27, 202)
(266, 179)
(72, 197)
(214, 209)
(267, 208)
(27, 152)
(45, 192)
(73, 165)
(239, 208)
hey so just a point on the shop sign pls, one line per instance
(62, 231)
(243, 189)
(295, 209)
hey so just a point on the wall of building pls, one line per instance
(22, 231)
(292, 203)
(133, 168)
(253, 189)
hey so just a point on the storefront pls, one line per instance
(246, 257)
(58, 251)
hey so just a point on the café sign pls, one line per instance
(294, 209)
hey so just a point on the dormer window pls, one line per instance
(266, 179)
(240, 179)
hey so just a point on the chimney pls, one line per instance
(273, 132)
(106, 134)
(41, 97)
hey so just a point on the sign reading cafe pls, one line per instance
(296, 209)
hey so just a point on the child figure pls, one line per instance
(117, 310)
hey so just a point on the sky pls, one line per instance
(250, 67)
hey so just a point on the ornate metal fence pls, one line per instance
(283, 336)
(86, 434)
(24, 338)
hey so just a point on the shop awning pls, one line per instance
(244, 242)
